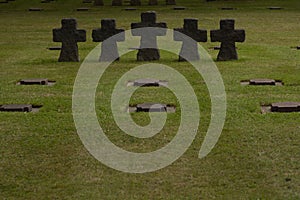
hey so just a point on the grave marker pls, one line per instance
(179, 8)
(135, 2)
(148, 48)
(40, 81)
(16, 108)
(116, 3)
(227, 35)
(189, 49)
(82, 9)
(109, 47)
(98, 3)
(152, 2)
(68, 35)
(148, 83)
(170, 2)
(285, 107)
(35, 9)
(152, 107)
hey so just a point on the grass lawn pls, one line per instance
(256, 157)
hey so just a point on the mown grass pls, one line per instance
(257, 156)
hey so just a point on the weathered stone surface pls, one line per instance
(88, 1)
(82, 9)
(227, 8)
(227, 35)
(189, 49)
(285, 107)
(135, 2)
(151, 107)
(148, 48)
(98, 3)
(35, 9)
(116, 3)
(34, 82)
(179, 8)
(170, 2)
(275, 8)
(130, 9)
(109, 47)
(152, 2)
(16, 108)
(69, 36)
(149, 83)
(262, 82)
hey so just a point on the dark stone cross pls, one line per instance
(116, 3)
(135, 2)
(189, 49)
(170, 2)
(148, 48)
(109, 48)
(98, 3)
(152, 2)
(227, 35)
(69, 36)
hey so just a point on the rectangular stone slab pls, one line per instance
(34, 82)
(179, 8)
(35, 9)
(16, 108)
(285, 107)
(151, 107)
(82, 9)
(54, 48)
(262, 82)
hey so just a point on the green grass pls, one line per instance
(42, 156)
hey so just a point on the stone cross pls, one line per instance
(116, 3)
(170, 2)
(68, 35)
(189, 49)
(227, 35)
(98, 3)
(152, 2)
(148, 48)
(109, 48)
(135, 2)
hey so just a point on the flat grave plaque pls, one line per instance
(262, 82)
(285, 107)
(40, 81)
(148, 83)
(228, 8)
(179, 8)
(130, 9)
(82, 9)
(16, 108)
(35, 9)
(152, 107)
(275, 8)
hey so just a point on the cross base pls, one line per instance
(148, 54)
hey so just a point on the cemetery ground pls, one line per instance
(256, 157)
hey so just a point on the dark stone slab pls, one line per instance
(298, 47)
(170, 2)
(262, 82)
(109, 47)
(179, 8)
(275, 8)
(98, 3)
(54, 48)
(152, 2)
(3, 1)
(227, 35)
(87, 1)
(130, 9)
(34, 82)
(135, 2)
(228, 8)
(151, 107)
(35, 9)
(116, 3)
(189, 49)
(16, 108)
(68, 35)
(82, 9)
(148, 50)
(149, 83)
(45, 1)
(285, 107)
